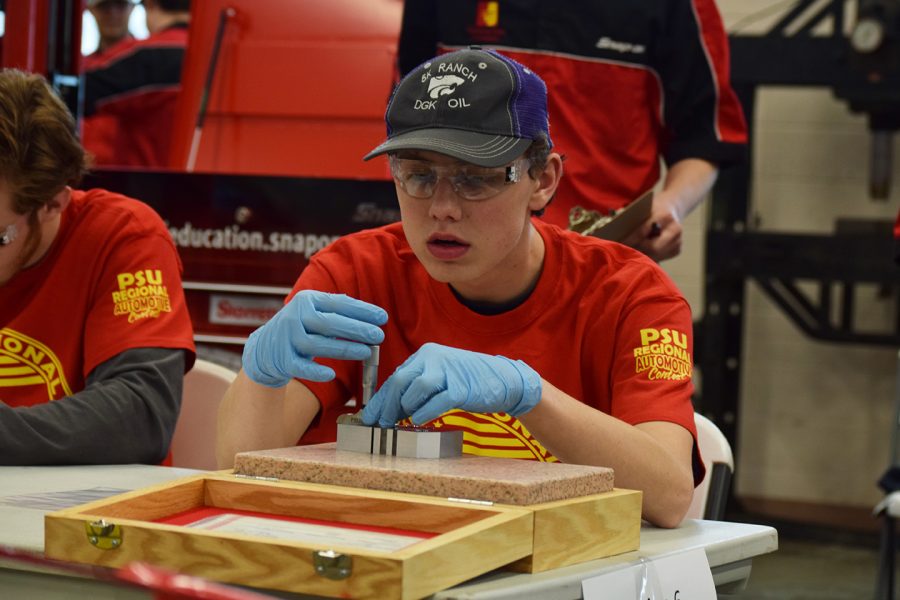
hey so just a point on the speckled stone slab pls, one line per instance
(502, 480)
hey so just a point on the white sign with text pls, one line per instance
(684, 576)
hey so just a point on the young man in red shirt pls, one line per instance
(539, 343)
(95, 336)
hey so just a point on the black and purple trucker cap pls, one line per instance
(473, 104)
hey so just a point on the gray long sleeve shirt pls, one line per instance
(125, 414)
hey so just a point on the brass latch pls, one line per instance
(332, 565)
(106, 536)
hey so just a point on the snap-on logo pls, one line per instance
(606, 43)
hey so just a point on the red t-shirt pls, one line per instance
(110, 282)
(604, 324)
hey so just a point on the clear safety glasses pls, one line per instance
(419, 178)
(9, 234)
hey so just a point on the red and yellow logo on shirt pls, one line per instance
(25, 361)
(663, 354)
(488, 14)
(486, 28)
(141, 295)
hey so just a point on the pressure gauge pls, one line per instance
(868, 35)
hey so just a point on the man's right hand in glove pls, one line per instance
(312, 324)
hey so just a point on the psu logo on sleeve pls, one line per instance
(141, 295)
(663, 354)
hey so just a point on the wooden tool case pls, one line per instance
(466, 539)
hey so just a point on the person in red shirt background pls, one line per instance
(631, 83)
(95, 336)
(130, 91)
(112, 17)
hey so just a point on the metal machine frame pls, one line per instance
(836, 265)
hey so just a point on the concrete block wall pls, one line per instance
(815, 418)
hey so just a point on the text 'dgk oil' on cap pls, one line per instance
(475, 105)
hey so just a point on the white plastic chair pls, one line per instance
(712, 493)
(889, 511)
(194, 441)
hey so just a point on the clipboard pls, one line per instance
(617, 225)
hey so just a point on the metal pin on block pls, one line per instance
(354, 436)
(370, 374)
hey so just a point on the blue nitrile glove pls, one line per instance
(312, 324)
(438, 378)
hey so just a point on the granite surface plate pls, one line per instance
(502, 480)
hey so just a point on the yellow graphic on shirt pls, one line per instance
(663, 354)
(496, 434)
(25, 361)
(488, 14)
(141, 295)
